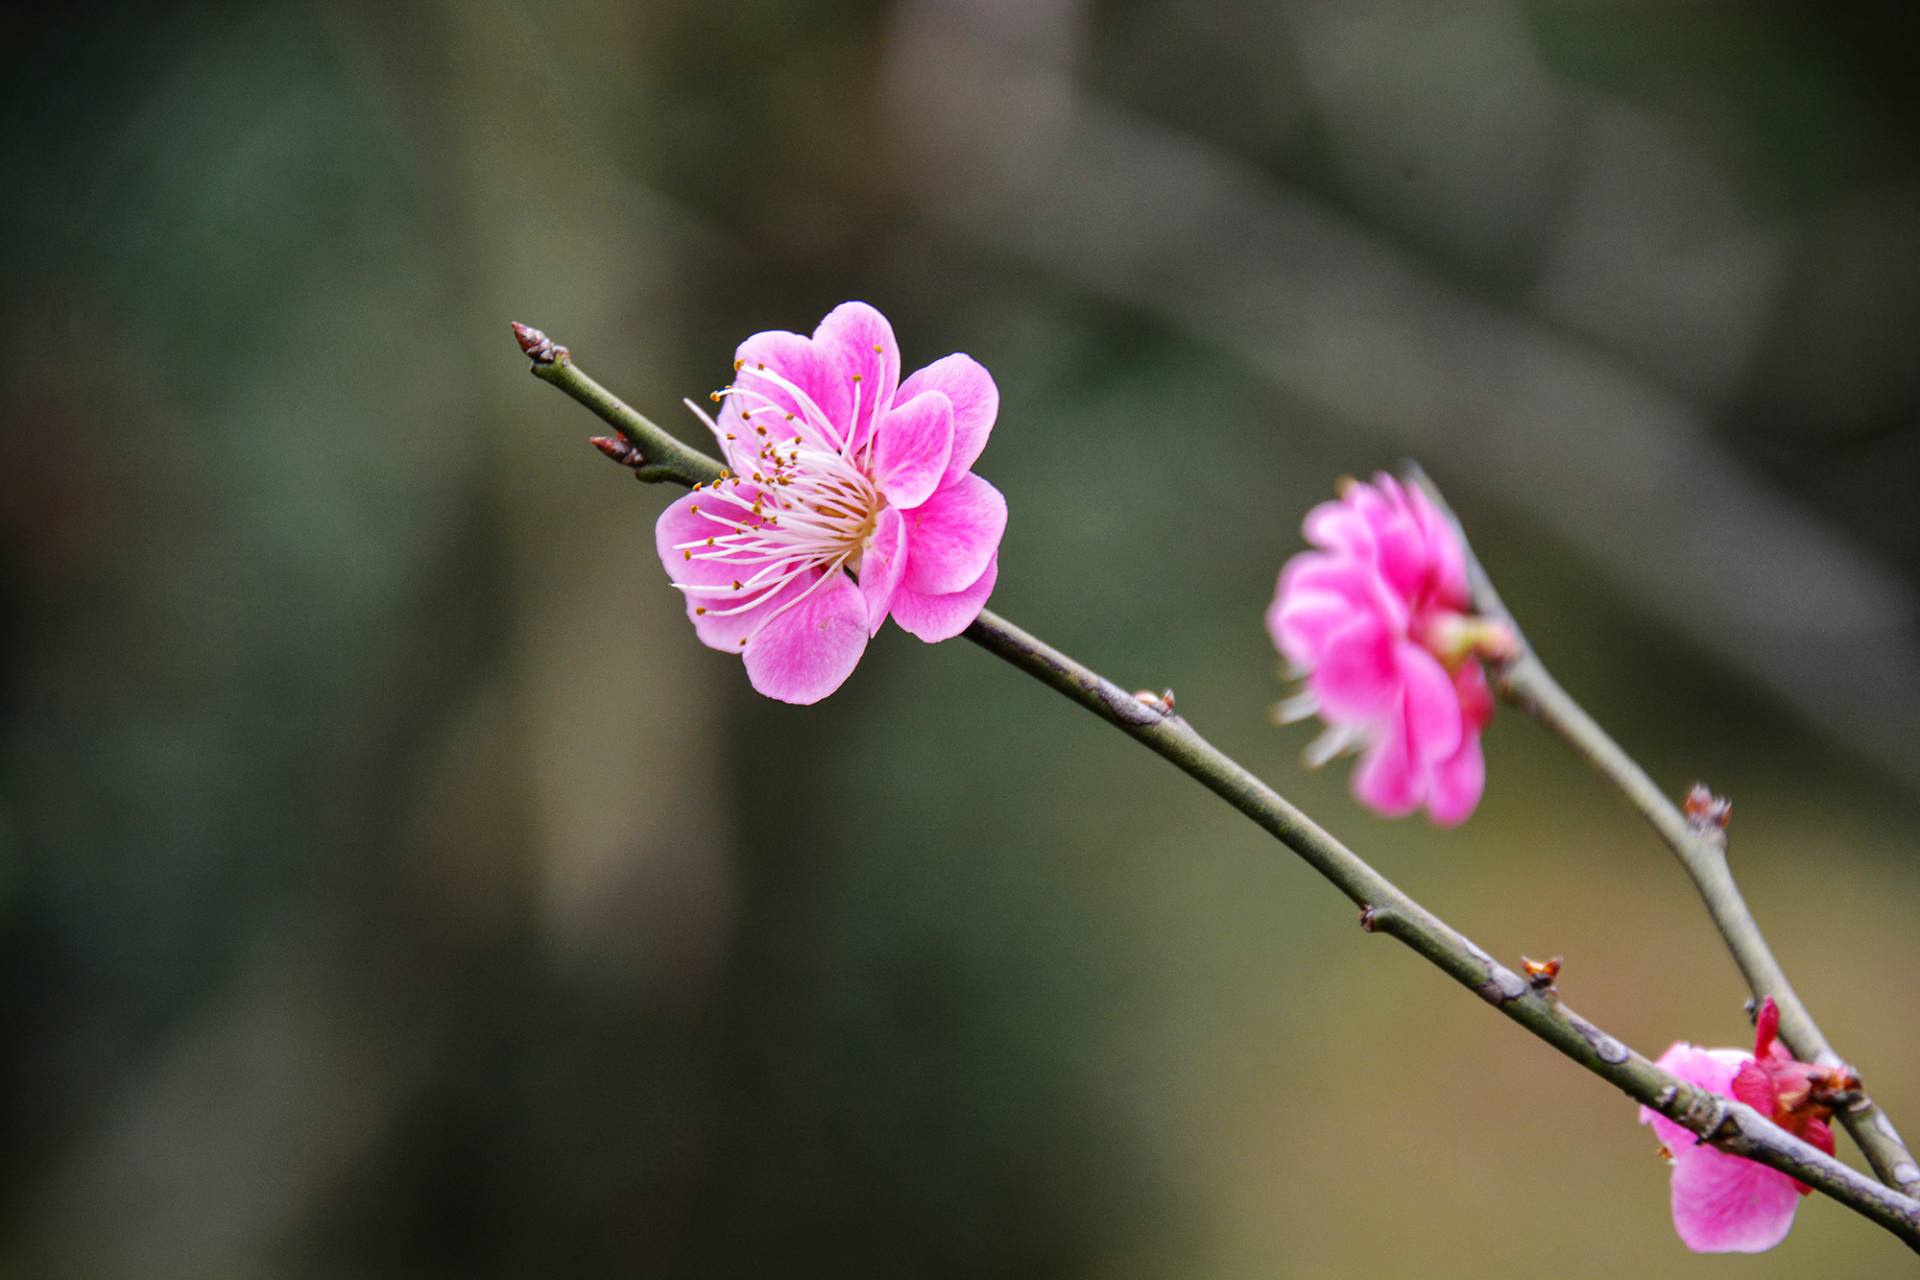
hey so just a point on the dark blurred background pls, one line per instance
(391, 886)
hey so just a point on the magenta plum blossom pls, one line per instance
(1725, 1203)
(1376, 621)
(849, 497)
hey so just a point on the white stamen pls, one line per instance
(719, 436)
(1337, 740)
(810, 411)
(804, 507)
(1297, 708)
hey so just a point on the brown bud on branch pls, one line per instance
(539, 347)
(620, 449)
(1540, 973)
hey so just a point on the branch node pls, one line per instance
(1604, 1046)
(1132, 708)
(1540, 973)
(1708, 814)
(1161, 702)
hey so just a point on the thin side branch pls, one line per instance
(1385, 908)
(1701, 848)
(661, 456)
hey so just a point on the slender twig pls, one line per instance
(1385, 908)
(1701, 848)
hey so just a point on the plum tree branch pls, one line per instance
(1701, 848)
(1385, 908)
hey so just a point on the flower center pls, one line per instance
(805, 511)
(1455, 637)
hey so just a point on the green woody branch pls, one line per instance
(1698, 839)
(1535, 1005)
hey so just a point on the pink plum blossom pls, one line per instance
(849, 497)
(1724, 1203)
(1375, 619)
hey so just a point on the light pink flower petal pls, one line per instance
(1710, 1069)
(1358, 678)
(783, 373)
(976, 403)
(1724, 1204)
(937, 618)
(1752, 1086)
(1350, 579)
(807, 652)
(1384, 780)
(1303, 622)
(1476, 701)
(1400, 544)
(911, 447)
(858, 342)
(681, 523)
(1446, 557)
(1454, 787)
(1340, 528)
(1432, 708)
(882, 565)
(1354, 580)
(1721, 1203)
(953, 535)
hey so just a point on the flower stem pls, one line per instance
(665, 458)
(1385, 908)
(1525, 681)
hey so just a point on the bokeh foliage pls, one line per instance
(389, 885)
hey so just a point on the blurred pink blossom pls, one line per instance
(1376, 621)
(850, 497)
(1725, 1203)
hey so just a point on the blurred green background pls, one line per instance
(391, 886)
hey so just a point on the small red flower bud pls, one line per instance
(1707, 814)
